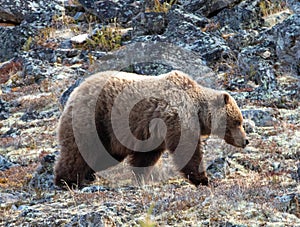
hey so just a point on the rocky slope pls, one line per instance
(249, 48)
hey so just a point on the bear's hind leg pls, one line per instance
(70, 169)
(143, 163)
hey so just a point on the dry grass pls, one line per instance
(271, 7)
(17, 177)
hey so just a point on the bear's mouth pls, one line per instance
(235, 142)
(243, 144)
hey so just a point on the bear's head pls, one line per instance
(235, 133)
(227, 120)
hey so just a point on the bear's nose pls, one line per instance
(246, 142)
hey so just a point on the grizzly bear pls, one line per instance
(116, 115)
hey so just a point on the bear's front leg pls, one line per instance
(194, 170)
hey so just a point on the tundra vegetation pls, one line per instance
(249, 48)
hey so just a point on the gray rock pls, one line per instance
(66, 94)
(183, 31)
(30, 115)
(95, 188)
(149, 23)
(256, 67)
(261, 117)
(156, 51)
(4, 110)
(13, 39)
(286, 36)
(288, 203)
(276, 166)
(148, 68)
(249, 126)
(33, 69)
(245, 15)
(192, 38)
(29, 212)
(121, 10)
(31, 16)
(241, 39)
(12, 132)
(178, 13)
(17, 11)
(43, 177)
(5, 163)
(276, 54)
(7, 199)
(89, 219)
(47, 54)
(219, 168)
(294, 5)
(36, 70)
(208, 8)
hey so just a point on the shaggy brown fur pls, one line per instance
(173, 97)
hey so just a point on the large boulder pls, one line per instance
(243, 16)
(28, 17)
(208, 8)
(16, 11)
(12, 40)
(120, 11)
(273, 63)
(186, 35)
(294, 5)
(286, 36)
(186, 31)
(149, 23)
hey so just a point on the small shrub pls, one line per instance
(105, 39)
(26, 46)
(270, 7)
(42, 39)
(162, 7)
(147, 221)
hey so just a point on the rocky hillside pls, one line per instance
(251, 48)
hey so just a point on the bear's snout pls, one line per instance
(239, 143)
(236, 137)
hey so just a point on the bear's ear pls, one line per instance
(226, 98)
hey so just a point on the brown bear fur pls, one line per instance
(92, 103)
